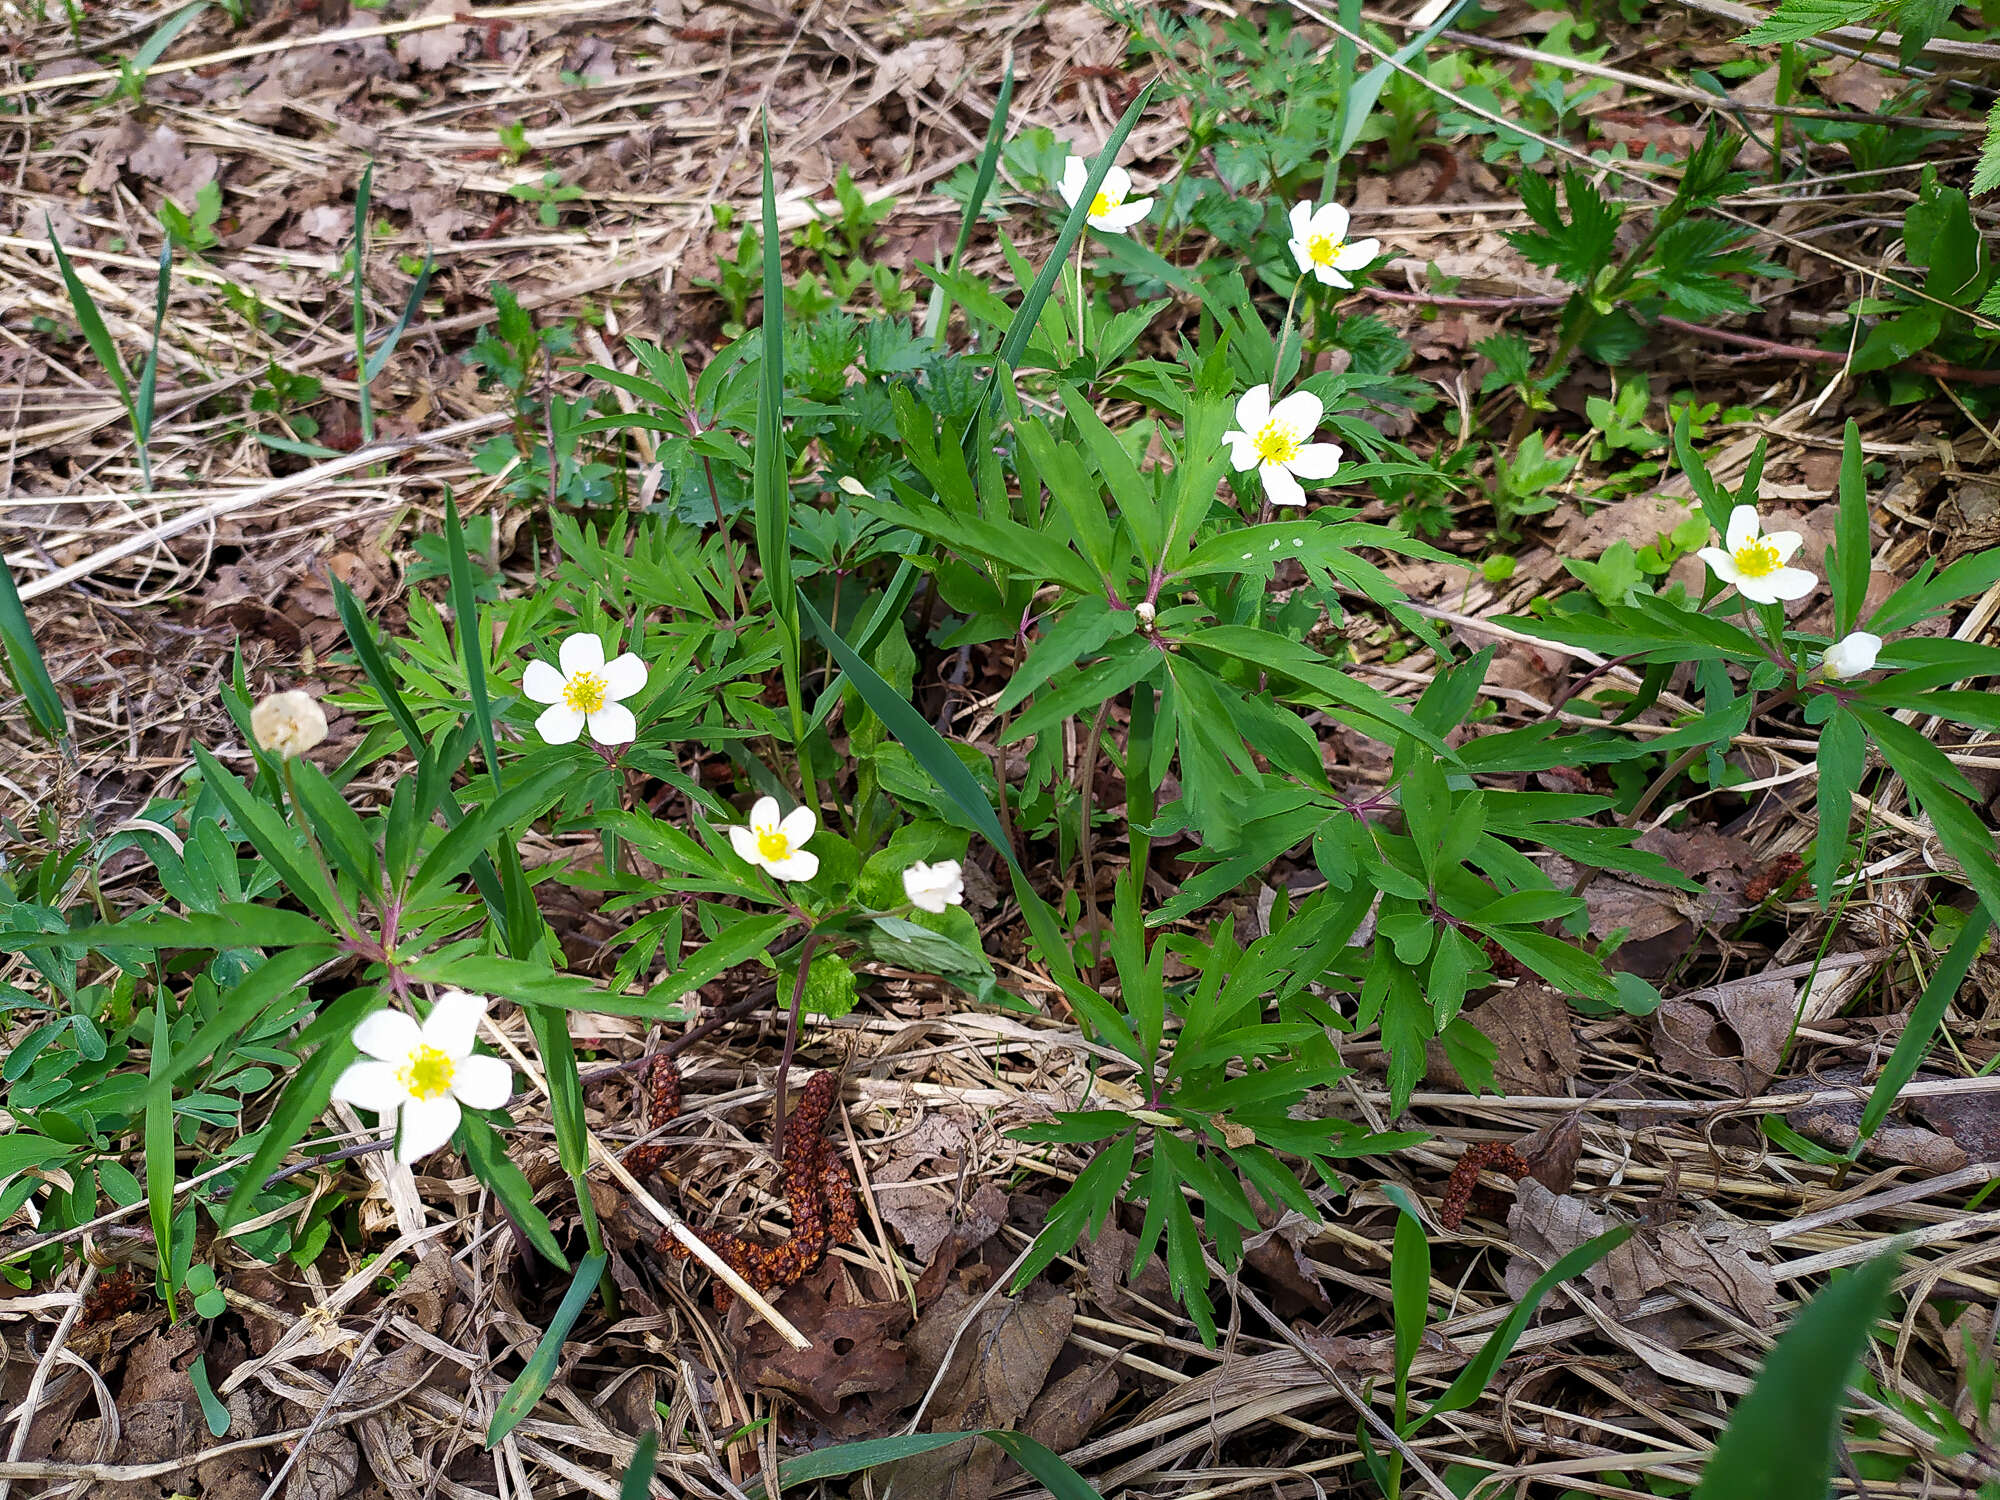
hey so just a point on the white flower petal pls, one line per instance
(1357, 253)
(1279, 486)
(800, 864)
(1075, 174)
(613, 724)
(1125, 215)
(1742, 528)
(1299, 414)
(582, 652)
(1787, 543)
(624, 677)
(427, 1125)
(559, 724)
(483, 1082)
(1720, 563)
(1117, 183)
(1788, 584)
(1301, 254)
(1242, 450)
(388, 1034)
(1328, 276)
(370, 1085)
(1331, 221)
(798, 826)
(744, 842)
(1253, 408)
(542, 683)
(1316, 461)
(1852, 655)
(764, 816)
(454, 1022)
(1301, 220)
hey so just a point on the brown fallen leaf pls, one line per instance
(855, 1348)
(1833, 1120)
(1729, 1035)
(1069, 1409)
(997, 1369)
(1529, 1026)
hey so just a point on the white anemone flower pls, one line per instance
(776, 844)
(1852, 655)
(1108, 210)
(288, 723)
(934, 887)
(1321, 247)
(1275, 441)
(1756, 560)
(587, 690)
(418, 1077)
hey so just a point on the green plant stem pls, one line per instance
(1082, 307)
(1284, 332)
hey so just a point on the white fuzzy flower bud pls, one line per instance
(288, 723)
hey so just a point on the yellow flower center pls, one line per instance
(1758, 559)
(428, 1073)
(773, 845)
(1276, 444)
(1324, 249)
(1102, 204)
(584, 692)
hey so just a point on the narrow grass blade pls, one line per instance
(465, 611)
(486, 1154)
(637, 1482)
(1409, 1295)
(380, 358)
(1779, 1443)
(1359, 101)
(155, 46)
(160, 1148)
(1472, 1381)
(149, 375)
(982, 184)
(91, 321)
(1848, 568)
(1057, 1477)
(1925, 1016)
(374, 666)
(533, 1381)
(25, 664)
(362, 191)
(772, 492)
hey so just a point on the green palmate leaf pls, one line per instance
(1925, 1017)
(1795, 20)
(1779, 1443)
(272, 836)
(1848, 568)
(453, 854)
(533, 1381)
(1843, 757)
(30, 673)
(1987, 176)
(1473, 1380)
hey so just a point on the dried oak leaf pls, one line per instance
(1529, 1026)
(855, 1348)
(1729, 1035)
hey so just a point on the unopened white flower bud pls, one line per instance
(1146, 614)
(288, 723)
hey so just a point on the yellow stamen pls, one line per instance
(1324, 249)
(1276, 444)
(1101, 205)
(428, 1073)
(1758, 559)
(584, 692)
(773, 845)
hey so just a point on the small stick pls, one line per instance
(696, 1246)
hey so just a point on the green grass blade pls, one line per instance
(91, 321)
(149, 375)
(465, 612)
(160, 1147)
(1924, 1018)
(1359, 100)
(362, 191)
(25, 664)
(1779, 1443)
(415, 300)
(1848, 569)
(637, 1482)
(486, 1154)
(155, 46)
(1057, 1477)
(769, 474)
(1472, 1381)
(982, 184)
(533, 1381)
(1409, 1296)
